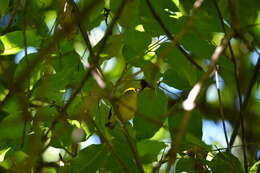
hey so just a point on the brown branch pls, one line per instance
(128, 137)
(190, 103)
(81, 27)
(92, 69)
(233, 15)
(110, 28)
(221, 111)
(109, 145)
(246, 100)
(49, 48)
(235, 26)
(27, 63)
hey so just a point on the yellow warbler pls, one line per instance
(125, 105)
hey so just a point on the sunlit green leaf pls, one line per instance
(194, 127)
(225, 162)
(152, 104)
(172, 78)
(185, 165)
(2, 154)
(4, 7)
(14, 41)
(90, 159)
(149, 149)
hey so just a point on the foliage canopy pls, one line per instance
(64, 65)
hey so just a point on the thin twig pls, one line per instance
(221, 107)
(109, 144)
(190, 103)
(27, 63)
(233, 15)
(110, 28)
(235, 26)
(92, 69)
(49, 48)
(157, 167)
(246, 100)
(128, 138)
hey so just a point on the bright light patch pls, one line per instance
(258, 94)
(219, 81)
(213, 133)
(81, 49)
(189, 103)
(140, 75)
(217, 37)
(109, 65)
(254, 57)
(51, 154)
(9, 47)
(96, 35)
(2, 154)
(149, 56)
(212, 94)
(174, 14)
(139, 28)
(67, 95)
(172, 92)
(21, 54)
(238, 102)
(49, 19)
(94, 139)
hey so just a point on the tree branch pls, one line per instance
(190, 103)
(49, 48)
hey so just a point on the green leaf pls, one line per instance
(151, 106)
(121, 151)
(95, 17)
(150, 24)
(129, 17)
(90, 159)
(151, 73)
(68, 73)
(14, 41)
(185, 165)
(4, 7)
(193, 129)
(62, 135)
(3, 114)
(137, 40)
(225, 162)
(135, 45)
(172, 78)
(13, 160)
(178, 62)
(2, 48)
(113, 47)
(24, 65)
(2, 153)
(201, 49)
(254, 168)
(149, 149)
(247, 17)
(12, 126)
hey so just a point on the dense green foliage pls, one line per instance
(64, 65)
